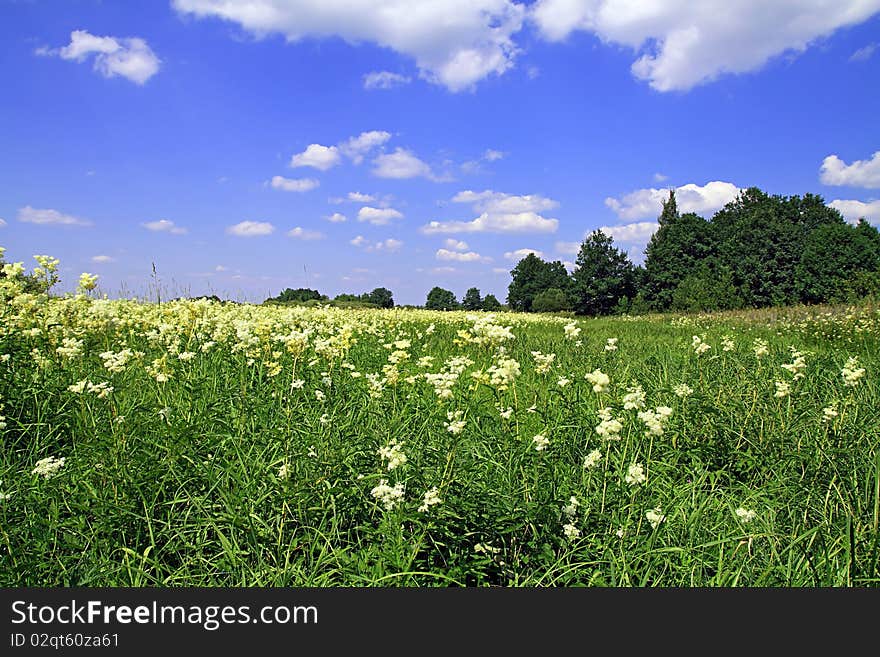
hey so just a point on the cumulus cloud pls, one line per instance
(251, 229)
(644, 203)
(519, 254)
(317, 156)
(568, 248)
(102, 259)
(378, 216)
(861, 173)
(455, 43)
(336, 218)
(304, 234)
(293, 184)
(469, 256)
(638, 232)
(690, 43)
(48, 217)
(855, 210)
(491, 155)
(401, 164)
(164, 226)
(357, 197)
(455, 245)
(130, 58)
(384, 80)
(390, 245)
(500, 213)
(476, 166)
(357, 147)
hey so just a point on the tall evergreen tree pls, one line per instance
(603, 276)
(530, 277)
(472, 300)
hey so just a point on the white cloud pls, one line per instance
(499, 270)
(455, 245)
(31, 215)
(644, 203)
(164, 226)
(568, 248)
(659, 177)
(390, 245)
(690, 43)
(455, 43)
(384, 80)
(519, 254)
(401, 164)
(357, 197)
(304, 234)
(101, 259)
(2, 223)
(855, 210)
(336, 218)
(864, 54)
(251, 229)
(861, 173)
(470, 256)
(500, 203)
(357, 147)
(491, 155)
(293, 184)
(500, 213)
(220, 268)
(476, 166)
(317, 156)
(130, 58)
(378, 216)
(638, 232)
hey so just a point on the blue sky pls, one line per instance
(451, 136)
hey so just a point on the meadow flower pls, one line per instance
(655, 420)
(284, 471)
(699, 346)
(683, 390)
(635, 474)
(760, 347)
(745, 515)
(797, 365)
(605, 413)
(727, 344)
(296, 384)
(562, 381)
(851, 372)
(655, 517)
(88, 282)
(320, 396)
(543, 362)
(504, 373)
(324, 419)
(79, 387)
(103, 390)
(609, 429)
(572, 331)
(634, 398)
(186, 356)
(48, 467)
(486, 548)
(570, 508)
(506, 413)
(783, 389)
(70, 348)
(611, 344)
(431, 498)
(829, 413)
(455, 424)
(599, 380)
(592, 459)
(388, 496)
(393, 453)
(571, 531)
(540, 441)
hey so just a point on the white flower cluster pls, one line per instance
(683, 390)
(634, 398)
(48, 467)
(609, 427)
(541, 442)
(760, 347)
(572, 331)
(592, 459)
(455, 424)
(103, 389)
(569, 528)
(502, 375)
(851, 372)
(388, 496)
(599, 380)
(70, 348)
(431, 498)
(543, 362)
(745, 515)
(699, 346)
(393, 453)
(635, 474)
(611, 344)
(655, 420)
(797, 365)
(445, 379)
(116, 361)
(655, 517)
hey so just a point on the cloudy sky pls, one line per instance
(245, 146)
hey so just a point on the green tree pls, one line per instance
(602, 276)
(298, 295)
(832, 257)
(471, 299)
(491, 303)
(708, 288)
(675, 250)
(550, 301)
(530, 277)
(440, 299)
(382, 297)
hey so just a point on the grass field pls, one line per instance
(202, 444)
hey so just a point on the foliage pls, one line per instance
(441, 299)
(530, 277)
(472, 300)
(602, 276)
(552, 300)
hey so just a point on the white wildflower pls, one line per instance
(432, 497)
(655, 517)
(48, 467)
(592, 459)
(635, 474)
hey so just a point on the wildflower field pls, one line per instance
(198, 443)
